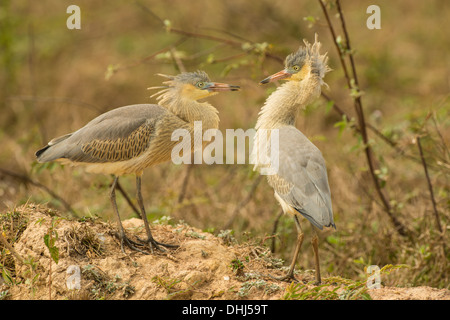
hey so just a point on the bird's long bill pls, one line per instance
(283, 74)
(217, 87)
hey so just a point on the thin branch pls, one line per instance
(375, 130)
(28, 180)
(229, 42)
(71, 101)
(353, 84)
(274, 230)
(236, 56)
(445, 149)
(333, 34)
(430, 186)
(347, 41)
(127, 198)
(184, 185)
(145, 59)
(177, 60)
(229, 34)
(243, 203)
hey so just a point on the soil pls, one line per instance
(204, 266)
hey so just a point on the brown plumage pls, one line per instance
(129, 139)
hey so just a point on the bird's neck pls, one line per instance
(190, 110)
(282, 106)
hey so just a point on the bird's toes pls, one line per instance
(152, 243)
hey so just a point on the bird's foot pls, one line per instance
(133, 245)
(155, 244)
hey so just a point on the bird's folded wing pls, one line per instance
(302, 180)
(117, 135)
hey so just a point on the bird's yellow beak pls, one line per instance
(217, 87)
(281, 75)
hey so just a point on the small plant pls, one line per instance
(297, 291)
(103, 286)
(50, 239)
(31, 274)
(227, 236)
(260, 284)
(4, 294)
(237, 266)
(195, 235)
(171, 285)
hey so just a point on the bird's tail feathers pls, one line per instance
(48, 153)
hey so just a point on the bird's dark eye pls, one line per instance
(296, 68)
(200, 84)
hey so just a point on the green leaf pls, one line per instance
(54, 253)
(342, 125)
(46, 240)
(6, 275)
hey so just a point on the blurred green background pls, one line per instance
(54, 80)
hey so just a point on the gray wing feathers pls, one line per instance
(119, 134)
(303, 168)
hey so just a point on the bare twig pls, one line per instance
(57, 100)
(177, 60)
(352, 83)
(28, 180)
(184, 185)
(127, 198)
(229, 42)
(375, 130)
(147, 58)
(243, 203)
(445, 149)
(274, 230)
(430, 186)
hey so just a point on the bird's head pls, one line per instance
(193, 85)
(298, 65)
(296, 68)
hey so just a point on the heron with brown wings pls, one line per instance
(129, 139)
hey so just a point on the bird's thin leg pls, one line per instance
(290, 273)
(150, 238)
(122, 236)
(315, 245)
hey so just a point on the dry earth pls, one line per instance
(204, 266)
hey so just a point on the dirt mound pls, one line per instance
(91, 265)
